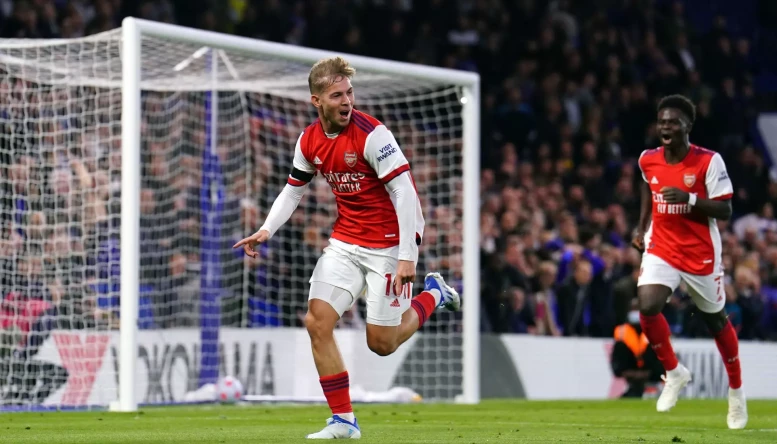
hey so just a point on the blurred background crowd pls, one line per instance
(569, 94)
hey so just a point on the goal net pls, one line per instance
(217, 129)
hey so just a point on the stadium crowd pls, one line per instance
(569, 90)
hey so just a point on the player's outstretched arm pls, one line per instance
(280, 212)
(285, 204)
(249, 243)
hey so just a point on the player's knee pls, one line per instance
(715, 321)
(649, 308)
(318, 329)
(651, 302)
(320, 320)
(381, 346)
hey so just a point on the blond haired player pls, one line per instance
(374, 243)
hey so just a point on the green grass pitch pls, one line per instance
(692, 421)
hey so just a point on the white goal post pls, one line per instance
(205, 124)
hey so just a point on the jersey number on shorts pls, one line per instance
(406, 289)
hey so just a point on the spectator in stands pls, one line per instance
(521, 316)
(574, 299)
(590, 241)
(182, 292)
(499, 277)
(751, 305)
(546, 301)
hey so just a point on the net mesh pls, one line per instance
(203, 188)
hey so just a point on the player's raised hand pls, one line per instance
(674, 195)
(252, 241)
(405, 275)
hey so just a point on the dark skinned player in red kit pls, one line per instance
(686, 190)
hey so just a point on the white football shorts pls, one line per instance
(707, 292)
(362, 271)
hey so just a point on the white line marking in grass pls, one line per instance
(631, 427)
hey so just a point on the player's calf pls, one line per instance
(728, 345)
(320, 322)
(652, 299)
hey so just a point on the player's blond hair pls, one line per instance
(328, 71)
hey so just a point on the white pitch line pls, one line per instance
(626, 426)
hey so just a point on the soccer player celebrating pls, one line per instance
(686, 189)
(374, 244)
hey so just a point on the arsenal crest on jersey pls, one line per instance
(350, 159)
(689, 179)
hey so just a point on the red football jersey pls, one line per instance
(357, 163)
(686, 239)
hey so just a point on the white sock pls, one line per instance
(347, 416)
(437, 296)
(674, 372)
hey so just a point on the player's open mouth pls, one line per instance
(345, 114)
(666, 139)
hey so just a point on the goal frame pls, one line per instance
(133, 30)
